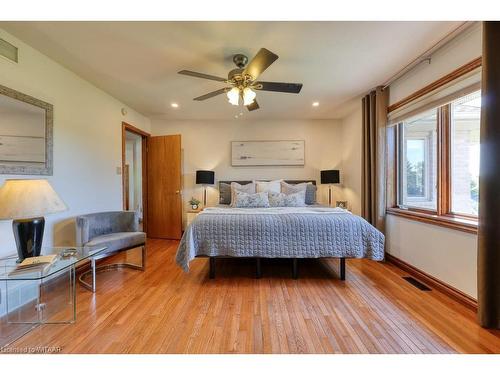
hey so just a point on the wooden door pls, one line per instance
(164, 187)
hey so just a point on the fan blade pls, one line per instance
(262, 60)
(212, 94)
(293, 88)
(253, 106)
(201, 75)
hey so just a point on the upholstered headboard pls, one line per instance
(222, 191)
(287, 181)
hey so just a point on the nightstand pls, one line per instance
(190, 215)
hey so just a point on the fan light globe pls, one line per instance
(248, 96)
(233, 95)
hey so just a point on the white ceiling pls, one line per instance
(137, 62)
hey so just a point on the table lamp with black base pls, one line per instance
(26, 202)
(330, 176)
(205, 178)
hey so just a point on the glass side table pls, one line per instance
(29, 298)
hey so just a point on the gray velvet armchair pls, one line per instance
(117, 231)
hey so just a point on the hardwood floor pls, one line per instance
(164, 310)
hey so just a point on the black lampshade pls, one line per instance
(331, 176)
(205, 177)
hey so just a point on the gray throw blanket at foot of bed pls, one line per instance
(281, 232)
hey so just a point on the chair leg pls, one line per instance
(108, 267)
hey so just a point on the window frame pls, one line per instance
(443, 215)
(449, 208)
(400, 168)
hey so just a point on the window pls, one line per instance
(465, 116)
(437, 162)
(418, 161)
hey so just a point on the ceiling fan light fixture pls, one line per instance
(248, 96)
(242, 81)
(233, 96)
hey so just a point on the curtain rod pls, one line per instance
(427, 55)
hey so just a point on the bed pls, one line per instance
(279, 232)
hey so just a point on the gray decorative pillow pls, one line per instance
(307, 187)
(224, 193)
(311, 194)
(235, 187)
(287, 200)
(245, 200)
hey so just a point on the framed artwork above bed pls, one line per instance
(267, 153)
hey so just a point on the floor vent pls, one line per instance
(417, 283)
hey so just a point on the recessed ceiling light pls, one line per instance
(174, 105)
(315, 104)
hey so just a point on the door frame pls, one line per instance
(126, 127)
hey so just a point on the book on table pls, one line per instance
(39, 263)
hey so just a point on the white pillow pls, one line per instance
(291, 189)
(268, 186)
(235, 187)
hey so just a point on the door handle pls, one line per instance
(177, 192)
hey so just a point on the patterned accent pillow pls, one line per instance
(235, 187)
(224, 193)
(307, 187)
(245, 200)
(287, 200)
(276, 199)
(268, 186)
(311, 194)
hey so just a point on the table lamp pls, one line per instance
(25, 202)
(205, 178)
(331, 176)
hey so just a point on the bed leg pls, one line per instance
(342, 268)
(295, 268)
(212, 268)
(258, 269)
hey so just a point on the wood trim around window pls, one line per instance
(447, 221)
(469, 67)
(443, 215)
(444, 161)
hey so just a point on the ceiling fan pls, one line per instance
(243, 80)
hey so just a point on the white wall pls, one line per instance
(207, 145)
(351, 158)
(463, 49)
(446, 254)
(87, 140)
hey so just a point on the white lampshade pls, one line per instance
(248, 96)
(24, 199)
(234, 96)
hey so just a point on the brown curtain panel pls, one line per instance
(374, 156)
(488, 264)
